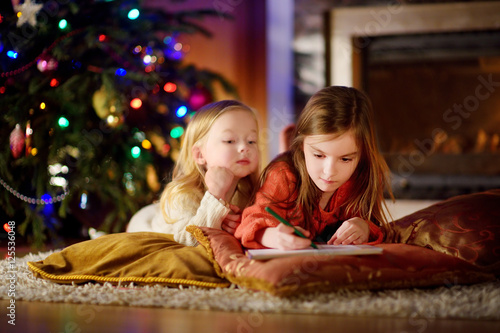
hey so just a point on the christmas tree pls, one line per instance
(94, 98)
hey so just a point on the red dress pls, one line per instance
(280, 187)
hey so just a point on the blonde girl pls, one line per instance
(331, 182)
(214, 176)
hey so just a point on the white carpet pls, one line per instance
(481, 301)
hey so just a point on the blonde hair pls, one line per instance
(187, 183)
(336, 110)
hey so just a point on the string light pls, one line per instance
(136, 103)
(12, 54)
(54, 83)
(63, 24)
(83, 201)
(31, 63)
(135, 151)
(165, 149)
(133, 14)
(170, 87)
(146, 144)
(139, 135)
(63, 122)
(137, 49)
(181, 111)
(120, 72)
(176, 132)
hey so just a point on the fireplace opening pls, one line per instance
(437, 104)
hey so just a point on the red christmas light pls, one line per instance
(170, 87)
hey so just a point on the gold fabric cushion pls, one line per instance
(466, 227)
(400, 266)
(142, 258)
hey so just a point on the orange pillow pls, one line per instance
(400, 266)
(465, 226)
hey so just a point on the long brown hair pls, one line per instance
(336, 110)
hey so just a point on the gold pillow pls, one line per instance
(141, 257)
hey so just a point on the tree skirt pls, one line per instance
(480, 301)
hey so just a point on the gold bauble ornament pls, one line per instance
(106, 102)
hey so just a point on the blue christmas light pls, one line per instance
(76, 64)
(181, 111)
(48, 208)
(120, 72)
(12, 54)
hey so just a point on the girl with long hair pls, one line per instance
(331, 182)
(214, 176)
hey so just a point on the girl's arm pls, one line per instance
(210, 213)
(277, 187)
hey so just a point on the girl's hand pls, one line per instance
(232, 221)
(219, 181)
(353, 231)
(282, 237)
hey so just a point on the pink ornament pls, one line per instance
(17, 141)
(198, 98)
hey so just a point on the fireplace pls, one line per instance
(433, 75)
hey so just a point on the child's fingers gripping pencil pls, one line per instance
(285, 222)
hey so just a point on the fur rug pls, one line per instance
(479, 302)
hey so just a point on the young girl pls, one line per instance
(215, 173)
(330, 183)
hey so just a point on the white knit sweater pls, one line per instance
(210, 213)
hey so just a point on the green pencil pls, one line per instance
(285, 222)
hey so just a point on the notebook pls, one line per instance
(323, 249)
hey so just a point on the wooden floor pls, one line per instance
(81, 318)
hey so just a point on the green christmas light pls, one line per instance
(135, 151)
(63, 24)
(63, 122)
(176, 132)
(133, 14)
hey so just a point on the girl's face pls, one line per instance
(231, 143)
(331, 160)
